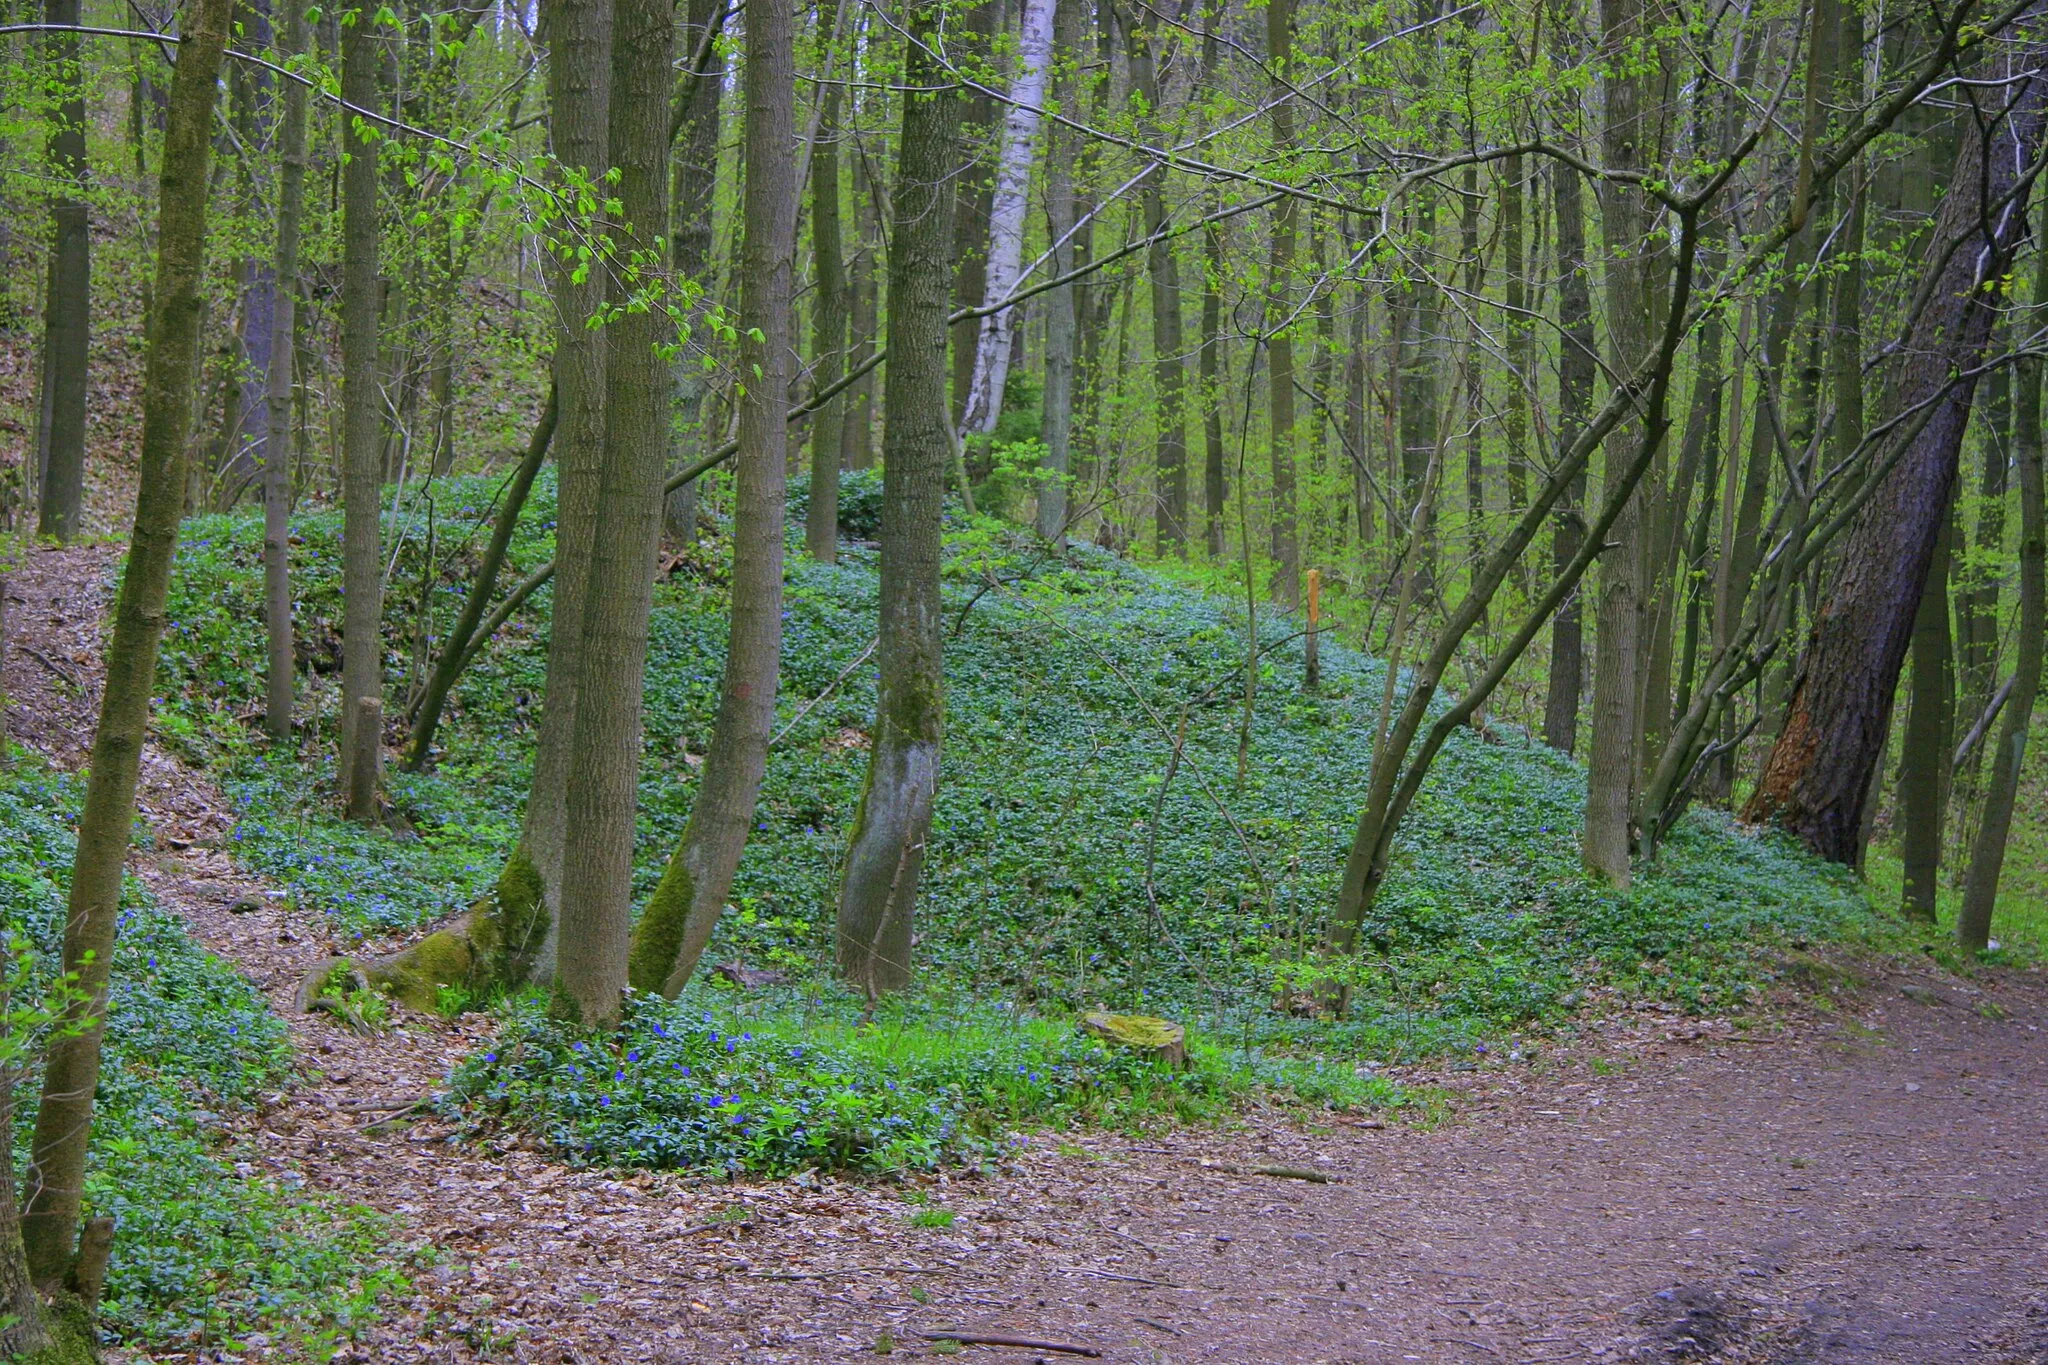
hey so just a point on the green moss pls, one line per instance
(74, 1337)
(506, 929)
(659, 934)
(414, 977)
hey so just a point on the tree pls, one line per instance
(878, 893)
(695, 118)
(67, 307)
(526, 905)
(1994, 825)
(277, 441)
(604, 751)
(1062, 320)
(828, 319)
(684, 909)
(1818, 775)
(1930, 727)
(56, 1180)
(362, 632)
(1286, 589)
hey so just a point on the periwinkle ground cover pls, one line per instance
(204, 1250)
(1059, 875)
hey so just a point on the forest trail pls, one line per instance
(1862, 1184)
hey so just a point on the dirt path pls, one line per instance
(1862, 1185)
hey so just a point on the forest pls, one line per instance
(887, 610)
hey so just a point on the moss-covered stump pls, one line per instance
(414, 977)
(1160, 1039)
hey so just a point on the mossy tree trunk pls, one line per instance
(878, 895)
(67, 306)
(604, 755)
(678, 921)
(71, 1075)
(579, 96)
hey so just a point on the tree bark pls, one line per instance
(857, 430)
(696, 196)
(362, 641)
(1056, 411)
(1576, 368)
(828, 319)
(1286, 586)
(1994, 823)
(56, 1178)
(579, 96)
(878, 895)
(67, 307)
(1924, 749)
(1818, 774)
(596, 914)
(1009, 204)
(679, 919)
(1627, 142)
(277, 442)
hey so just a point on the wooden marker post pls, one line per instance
(1314, 670)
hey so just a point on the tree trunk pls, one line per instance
(679, 919)
(1994, 823)
(362, 642)
(1627, 141)
(56, 1180)
(970, 38)
(579, 95)
(1818, 775)
(277, 443)
(1056, 411)
(1009, 205)
(67, 308)
(857, 431)
(596, 913)
(1576, 368)
(878, 896)
(1286, 587)
(828, 319)
(1520, 376)
(1930, 727)
(696, 195)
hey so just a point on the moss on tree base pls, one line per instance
(1161, 1039)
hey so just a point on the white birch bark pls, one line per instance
(1006, 217)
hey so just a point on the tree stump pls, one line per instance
(1160, 1039)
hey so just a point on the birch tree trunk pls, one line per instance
(878, 895)
(1009, 205)
(671, 935)
(56, 1179)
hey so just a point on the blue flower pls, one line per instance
(605, 1100)
(490, 1056)
(632, 1056)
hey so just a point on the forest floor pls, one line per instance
(1856, 1176)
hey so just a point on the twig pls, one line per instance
(1466, 1341)
(1004, 1339)
(1119, 1232)
(47, 662)
(1112, 1275)
(1170, 1331)
(812, 704)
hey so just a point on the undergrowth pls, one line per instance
(1065, 869)
(213, 1244)
(811, 1084)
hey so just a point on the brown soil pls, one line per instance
(1855, 1179)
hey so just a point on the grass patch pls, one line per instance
(214, 1244)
